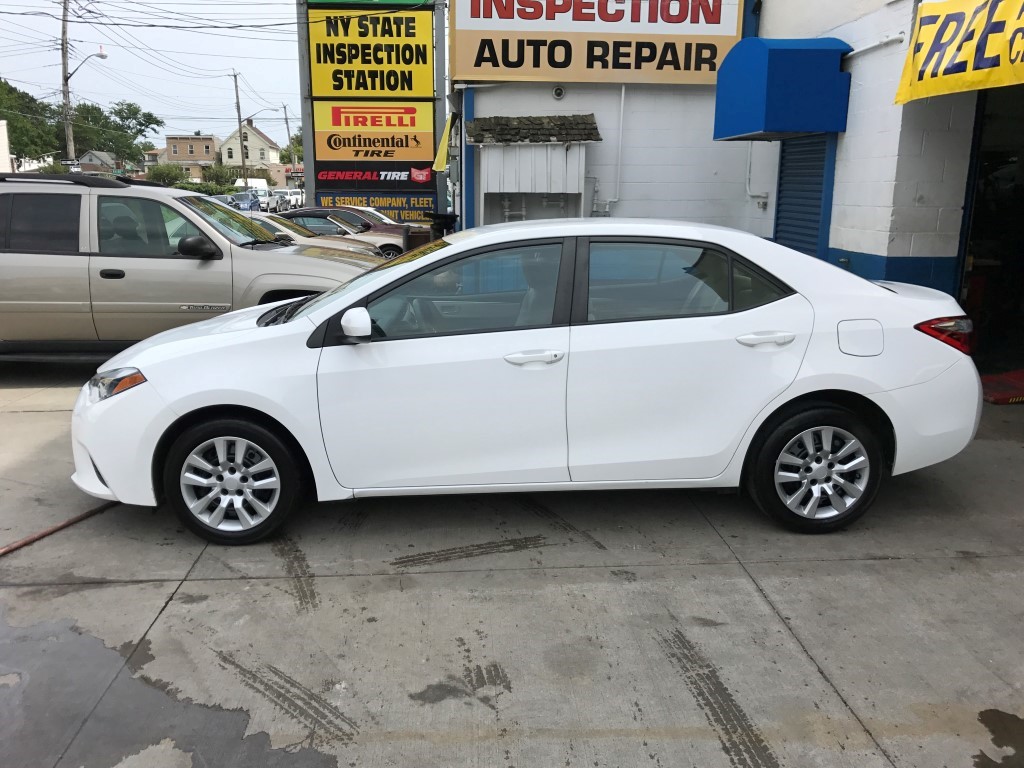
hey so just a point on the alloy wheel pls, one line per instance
(822, 473)
(230, 484)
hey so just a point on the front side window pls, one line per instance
(48, 223)
(512, 288)
(130, 226)
(644, 281)
(351, 218)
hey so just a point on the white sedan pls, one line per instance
(557, 355)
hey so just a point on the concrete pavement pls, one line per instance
(587, 629)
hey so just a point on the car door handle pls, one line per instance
(111, 274)
(779, 338)
(547, 356)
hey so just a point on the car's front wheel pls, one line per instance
(390, 251)
(818, 470)
(231, 481)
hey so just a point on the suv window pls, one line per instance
(496, 291)
(133, 226)
(42, 222)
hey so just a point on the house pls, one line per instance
(261, 151)
(193, 152)
(96, 161)
(153, 157)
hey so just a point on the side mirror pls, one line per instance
(356, 324)
(364, 226)
(198, 247)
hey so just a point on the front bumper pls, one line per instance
(936, 420)
(113, 442)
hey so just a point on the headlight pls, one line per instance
(109, 383)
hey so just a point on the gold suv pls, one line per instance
(95, 263)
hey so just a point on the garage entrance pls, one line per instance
(993, 286)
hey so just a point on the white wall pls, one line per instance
(6, 159)
(671, 167)
(800, 18)
(901, 171)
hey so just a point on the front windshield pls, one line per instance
(292, 226)
(376, 216)
(373, 274)
(235, 226)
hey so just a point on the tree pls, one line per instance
(55, 167)
(29, 123)
(293, 152)
(130, 123)
(221, 174)
(167, 174)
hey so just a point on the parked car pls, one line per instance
(297, 198)
(291, 231)
(325, 222)
(91, 264)
(578, 354)
(228, 200)
(284, 202)
(246, 201)
(362, 221)
(375, 216)
(269, 202)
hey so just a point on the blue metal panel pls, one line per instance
(800, 201)
(774, 89)
(751, 18)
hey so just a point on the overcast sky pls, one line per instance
(182, 75)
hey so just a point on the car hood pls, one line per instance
(229, 323)
(335, 253)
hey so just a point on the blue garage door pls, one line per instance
(798, 214)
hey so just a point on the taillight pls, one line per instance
(958, 332)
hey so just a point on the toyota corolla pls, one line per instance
(560, 355)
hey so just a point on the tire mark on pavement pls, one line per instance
(739, 737)
(296, 566)
(325, 721)
(471, 550)
(557, 521)
(477, 677)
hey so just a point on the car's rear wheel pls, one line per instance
(231, 481)
(817, 471)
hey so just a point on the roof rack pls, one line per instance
(143, 183)
(68, 178)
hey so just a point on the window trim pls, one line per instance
(191, 149)
(581, 292)
(174, 149)
(174, 256)
(6, 201)
(329, 333)
(230, 153)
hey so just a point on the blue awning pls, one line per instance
(777, 89)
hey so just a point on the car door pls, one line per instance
(435, 401)
(140, 284)
(44, 267)
(676, 347)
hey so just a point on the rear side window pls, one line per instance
(749, 289)
(46, 223)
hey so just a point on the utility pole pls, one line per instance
(69, 131)
(241, 144)
(288, 132)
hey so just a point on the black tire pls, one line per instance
(262, 444)
(816, 471)
(390, 251)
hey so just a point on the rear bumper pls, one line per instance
(936, 420)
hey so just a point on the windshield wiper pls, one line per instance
(258, 241)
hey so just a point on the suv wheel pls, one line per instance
(231, 481)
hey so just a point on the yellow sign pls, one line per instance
(593, 41)
(373, 130)
(963, 45)
(371, 54)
